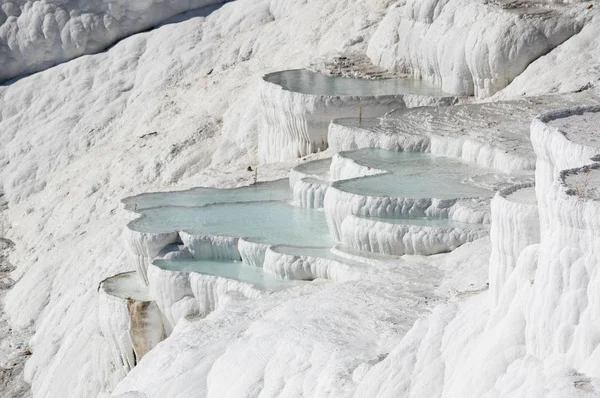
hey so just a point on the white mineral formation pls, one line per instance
(397, 239)
(184, 105)
(515, 225)
(130, 322)
(536, 335)
(35, 35)
(471, 47)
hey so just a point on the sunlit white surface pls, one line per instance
(235, 270)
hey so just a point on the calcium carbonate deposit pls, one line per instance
(282, 198)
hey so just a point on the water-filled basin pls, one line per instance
(413, 175)
(271, 190)
(308, 82)
(272, 222)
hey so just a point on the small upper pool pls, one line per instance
(308, 82)
(315, 167)
(272, 190)
(273, 222)
(235, 270)
(413, 175)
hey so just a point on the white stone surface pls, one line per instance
(472, 47)
(211, 247)
(309, 182)
(130, 323)
(310, 193)
(343, 167)
(339, 205)
(297, 265)
(77, 138)
(515, 226)
(572, 66)
(273, 337)
(35, 35)
(555, 153)
(143, 247)
(395, 239)
(581, 125)
(540, 337)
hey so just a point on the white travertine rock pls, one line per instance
(470, 47)
(252, 253)
(480, 153)
(378, 236)
(339, 205)
(556, 152)
(204, 246)
(561, 70)
(310, 193)
(309, 182)
(538, 334)
(130, 323)
(210, 292)
(114, 322)
(35, 35)
(143, 247)
(297, 265)
(172, 292)
(317, 169)
(181, 294)
(561, 318)
(343, 167)
(471, 211)
(77, 137)
(515, 225)
(350, 134)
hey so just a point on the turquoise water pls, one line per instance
(273, 190)
(312, 83)
(263, 222)
(413, 175)
(235, 270)
(315, 167)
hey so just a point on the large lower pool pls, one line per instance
(235, 270)
(263, 222)
(272, 190)
(308, 82)
(413, 175)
